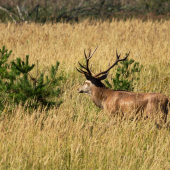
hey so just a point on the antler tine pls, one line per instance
(92, 53)
(91, 68)
(85, 54)
(89, 54)
(82, 65)
(117, 60)
(87, 60)
(87, 63)
(118, 56)
(81, 71)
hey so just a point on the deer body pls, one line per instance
(124, 102)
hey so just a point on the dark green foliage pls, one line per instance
(126, 74)
(19, 87)
(156, 6)
(74, 11)
(4, 55)
(4, 75)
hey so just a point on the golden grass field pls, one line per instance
(78, 135)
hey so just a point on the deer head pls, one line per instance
(94, 80)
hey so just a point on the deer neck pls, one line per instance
(99, 96)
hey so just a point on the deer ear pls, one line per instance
(103, 76)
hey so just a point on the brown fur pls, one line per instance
(126, 102)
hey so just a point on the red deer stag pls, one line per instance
(117, 101)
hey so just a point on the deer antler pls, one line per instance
(117, 60)
(87, 63)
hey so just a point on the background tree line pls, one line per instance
(77, 10)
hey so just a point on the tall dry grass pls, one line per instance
(78, 135)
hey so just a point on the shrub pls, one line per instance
(19, 87)
(126, 74)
